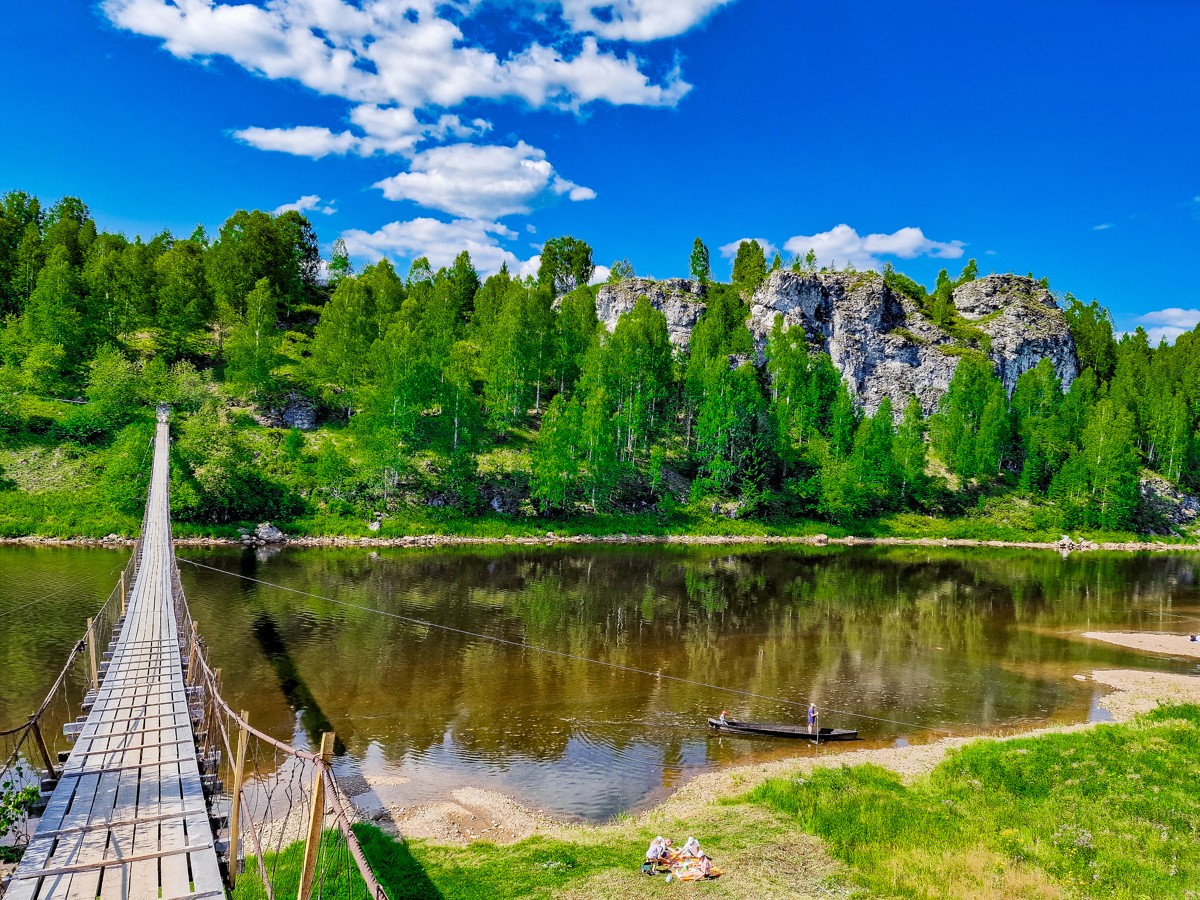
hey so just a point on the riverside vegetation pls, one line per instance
(1107, 812)
(450, 403)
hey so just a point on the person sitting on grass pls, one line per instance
(660, 851)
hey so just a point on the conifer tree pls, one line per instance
(698, 266)
(749, 267)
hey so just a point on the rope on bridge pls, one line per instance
(32, 751)
(287, 824)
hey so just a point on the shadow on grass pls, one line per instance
(337, 876)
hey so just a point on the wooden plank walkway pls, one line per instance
(128, 818)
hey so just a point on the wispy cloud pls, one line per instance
(307, 203)
(1103, 226)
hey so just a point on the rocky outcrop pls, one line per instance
(1023, 324)
(1169, 510)
(681, 301)
(885, 346)
(294, 411)
(880, 340)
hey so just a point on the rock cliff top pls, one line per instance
(880, 340)
(680, 300)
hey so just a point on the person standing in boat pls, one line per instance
(812, 718)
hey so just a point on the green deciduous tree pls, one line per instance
(566, 264)
(253, 346)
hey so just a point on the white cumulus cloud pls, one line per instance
(387, 53)
(1168, 324)
(637, 20)
(481, 181)
(302, 140)
(307, 203)
(439, 241)
(842, 244)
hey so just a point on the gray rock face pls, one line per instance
(681, 301)
(297, 411)
(884, 346)
(1024, 324)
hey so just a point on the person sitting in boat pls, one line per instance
(722, 718)
(812, 718)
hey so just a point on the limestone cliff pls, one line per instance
(681, 301)
(879, 339)
(884, 345)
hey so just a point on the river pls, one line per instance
(903, 644)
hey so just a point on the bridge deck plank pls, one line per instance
(128, 819)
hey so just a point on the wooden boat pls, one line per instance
(770, 729)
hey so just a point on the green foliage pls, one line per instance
(16, 800)
(440, 389)
(971, 430)
(253, 346)
(620, 270)
(749, 267)
(1109, 810)
(699, 266)
(566, 264)
(1091, 327)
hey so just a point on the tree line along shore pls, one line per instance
(336, 402)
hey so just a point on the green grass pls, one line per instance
(1110, 812)
(535, 867)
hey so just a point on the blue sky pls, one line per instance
(1055, 137)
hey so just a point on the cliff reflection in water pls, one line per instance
(955, 640)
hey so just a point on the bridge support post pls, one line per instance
(193, 675)
(235, 810)
(312, 841)
(122, 592)
(91, 639)
(51, 771)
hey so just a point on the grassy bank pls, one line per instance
(1110, 811)
(61, 480)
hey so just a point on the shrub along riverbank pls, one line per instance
(60, 480)
(1109, 811)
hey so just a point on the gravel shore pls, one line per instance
(480, 814)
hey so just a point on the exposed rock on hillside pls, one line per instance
(1024, 324)
(880, 340)
(295, 411)
(681, 301)
(885, 346)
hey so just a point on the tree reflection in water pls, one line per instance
(943, 638)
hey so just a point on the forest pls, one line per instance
(444, 399)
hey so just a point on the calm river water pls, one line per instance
(921, 641)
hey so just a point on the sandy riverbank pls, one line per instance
(1150, 642)
(550, 539)
(471, 814)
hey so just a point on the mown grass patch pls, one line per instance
(1110, 812)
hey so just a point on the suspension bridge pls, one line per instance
(153, 802)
